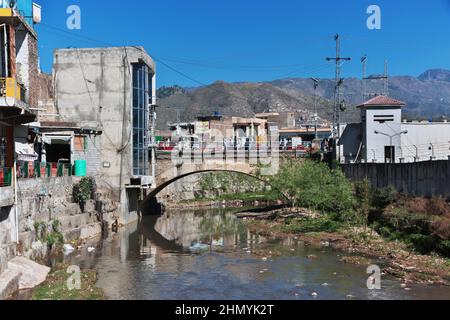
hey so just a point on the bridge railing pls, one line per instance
(224, 152)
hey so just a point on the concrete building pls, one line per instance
(111, 92)
(19, 92)
(382, 136)
(279, 119)
(218, 129)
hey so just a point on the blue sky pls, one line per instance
(249, 40)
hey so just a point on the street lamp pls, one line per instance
(391, 136)
(316, 84)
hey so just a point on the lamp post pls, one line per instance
(391, 136)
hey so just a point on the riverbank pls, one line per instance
(359, 246)
(56, 287)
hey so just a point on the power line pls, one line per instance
(160, 60)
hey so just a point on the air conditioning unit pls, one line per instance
(37, 11)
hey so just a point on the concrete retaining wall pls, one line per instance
(431, 178)
(6, 197)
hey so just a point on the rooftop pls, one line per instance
(382, 101)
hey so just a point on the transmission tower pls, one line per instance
(384, 78)
(337, 90)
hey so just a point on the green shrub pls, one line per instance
(422, 243)
(383, 197)
(313, 185)
(218, 184)
(50, 233)
(308, 225)
(82, 191)
(40, 229)
(363, 196)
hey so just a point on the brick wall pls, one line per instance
(91, 154)
(34, 89)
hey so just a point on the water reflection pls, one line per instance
(197, 230)
(159, 258)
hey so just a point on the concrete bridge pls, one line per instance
(171, 168)
(170, 171)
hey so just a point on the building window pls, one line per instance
(384, 118)
(142, 86)
(80, 143)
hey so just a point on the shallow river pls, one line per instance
(211, 255)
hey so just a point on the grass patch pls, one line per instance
(245, 196)
(55, 287)
(310, 225)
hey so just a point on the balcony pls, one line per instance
(11, 89)
(14, 108)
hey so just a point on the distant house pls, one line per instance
(382, 136)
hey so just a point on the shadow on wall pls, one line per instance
(4, 213)
(152, 207)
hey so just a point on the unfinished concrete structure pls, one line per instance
(111, 90)
(18, 99)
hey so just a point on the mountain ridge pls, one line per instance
(427, 96)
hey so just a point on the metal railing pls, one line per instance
(30, 170)
(5, 177)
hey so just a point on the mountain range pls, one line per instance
(426, 96)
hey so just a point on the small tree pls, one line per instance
(82, 192)
(363, 196)
(313, 185)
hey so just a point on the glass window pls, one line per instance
(141, 85)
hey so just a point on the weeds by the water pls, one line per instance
(55, 287)
(309, 225)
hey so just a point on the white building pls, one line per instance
(382, 136)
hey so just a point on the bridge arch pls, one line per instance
(165, 184)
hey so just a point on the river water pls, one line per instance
(209, 254)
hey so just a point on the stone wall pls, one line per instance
(430, 178)
(46, 200)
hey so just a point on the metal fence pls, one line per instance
(28, 170)
(5, 177)
(35, 170)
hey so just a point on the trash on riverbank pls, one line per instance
(68, 249)
(56, 288)
(199, 247)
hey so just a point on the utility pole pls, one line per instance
(337, 93)
(364, 71)
(316, 85)
(384, 77)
